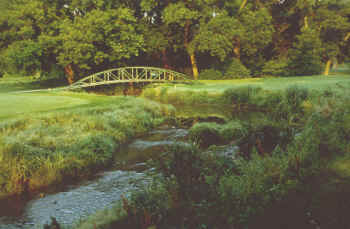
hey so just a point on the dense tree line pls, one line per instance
(73, 38)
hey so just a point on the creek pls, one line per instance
(78, 201)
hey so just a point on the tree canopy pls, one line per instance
(80, 37)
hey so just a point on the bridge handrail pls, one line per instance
(178, 74)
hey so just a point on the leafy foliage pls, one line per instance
(210, 74)
(100, 38)
(24, 55)
(275, 68)
(305, 56)
(236, 70)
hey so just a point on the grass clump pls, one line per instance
(206, 134)
(210, 74)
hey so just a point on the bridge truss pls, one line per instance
(130, 75)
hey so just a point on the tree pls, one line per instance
(159, 38)
(219, 36)
(99, 39)
(185, 15)
(334, 26)
(258, 34)
(305, 55)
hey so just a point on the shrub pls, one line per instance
(270, 100)
(261, 182)
(275, 68)
(263, 136)
(295, 96)
(210, 74)
(241, 95)
(24, 56)
(304, 58)
(236, 70)
(148, 206)
(232, 130)
(206, 134)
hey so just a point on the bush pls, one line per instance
(295, 96)
(275, 68)
(210, 74)
(232, 130)
(206, 134)
(241, 95)
(305, 56)
(261, 182)
(236, 70)
(24, 57)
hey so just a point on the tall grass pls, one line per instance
(43, 150)
(202, 188)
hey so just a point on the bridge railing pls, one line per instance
(130, 74)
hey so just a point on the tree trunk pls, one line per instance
(328, 66)
(194, 66)
(165, 60)
(347, 37)
(237, 50)
(244, 2)
(335, 63)
(69, 73)
(190, 51)
(306, 23)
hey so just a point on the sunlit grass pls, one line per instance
(39, 150)
(48, 138)
(19, 104)
(310, 82)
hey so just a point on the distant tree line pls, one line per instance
(210, 38)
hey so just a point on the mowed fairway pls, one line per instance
(310, 82)
(16, 104)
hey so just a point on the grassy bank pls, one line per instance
(210, 91)
(287, 165)
(41, 150)
(50, 138)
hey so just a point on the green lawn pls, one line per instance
(311, 82)
(17, 104)
(13, 103)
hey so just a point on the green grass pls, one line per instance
(40, 150)
(12, 84)
(311, 169)
(215, 92)
(338, 79)
(50, 138)
(24, 104)
(310, 82)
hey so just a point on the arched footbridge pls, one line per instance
(130, 75)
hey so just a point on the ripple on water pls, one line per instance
(82, 200)
(78, 202)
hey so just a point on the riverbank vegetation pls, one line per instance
(56, 147)
(285, 166)
(256, 91)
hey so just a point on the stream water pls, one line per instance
(80, 200)
(83, 199)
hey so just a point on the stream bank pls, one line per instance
(80, 200)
